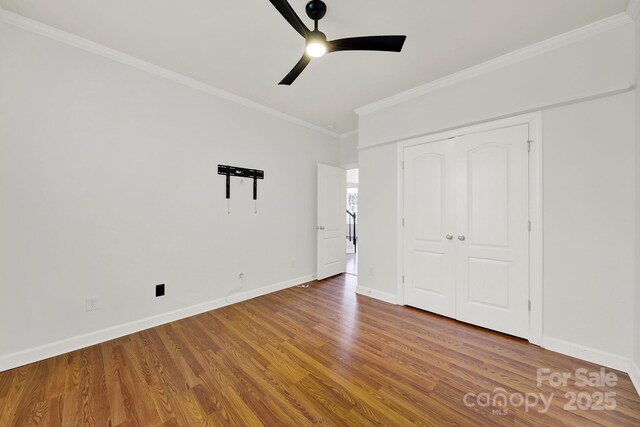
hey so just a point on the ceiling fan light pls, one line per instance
(316, 49)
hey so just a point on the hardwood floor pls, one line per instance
(306, 356)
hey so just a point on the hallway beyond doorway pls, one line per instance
(352, 264)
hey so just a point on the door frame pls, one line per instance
(534, 120)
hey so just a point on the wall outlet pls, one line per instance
(160, 290)
(92, 303)
(371, 273)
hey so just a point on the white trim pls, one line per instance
(348, 134)
(106, 52)
(589, 354)
(537, 109)
(500, 62)
(45, 351)
(254, 293)
(400, 215)
(536, 264)
(633, 10)
(634, 375)
(348, 166)
(534, 120)
(379, 295)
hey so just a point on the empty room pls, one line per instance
(301, 212)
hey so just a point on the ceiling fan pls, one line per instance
(316, 42)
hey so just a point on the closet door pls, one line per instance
(428, 227)
(492, 230)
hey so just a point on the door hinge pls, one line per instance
(529, 305)
(403, 222)
(529, 142)
(403, 165)
(529, 226)
(403, 278)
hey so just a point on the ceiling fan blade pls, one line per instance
(377, 43)
(295, 72)
(289, 14)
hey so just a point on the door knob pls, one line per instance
(461, 238)
(449, 237)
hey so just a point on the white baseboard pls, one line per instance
(373, 293)
(634, 374)
(57, 348)
(589, 354)
(253, 293)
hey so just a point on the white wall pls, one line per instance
(601, 63)
(588, 172)
(349, 151)
(377, 219)
(589, 214)
(109, 186)
(637, 280)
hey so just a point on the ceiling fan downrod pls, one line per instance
(316, 9)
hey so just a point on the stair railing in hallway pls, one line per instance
(351, 230)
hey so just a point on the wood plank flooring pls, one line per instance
(302, 356)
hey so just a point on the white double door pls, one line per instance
(466, 229)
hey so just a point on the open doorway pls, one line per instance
(352, 222)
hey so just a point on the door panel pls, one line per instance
(331, 229)
(488, 177)
(492, 203)
(428, 169)
(489, 282)
(428, 271)
(428, 217)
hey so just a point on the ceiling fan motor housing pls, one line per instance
(316, 9)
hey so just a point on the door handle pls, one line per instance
(449, 237)
(321, 227)
(461, 238)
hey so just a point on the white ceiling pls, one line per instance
(246, 47)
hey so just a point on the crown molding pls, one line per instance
(501, 62)
(633, 10)
(348, 134)
(106, 52)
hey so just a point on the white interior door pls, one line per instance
(331, 228)
(492, 253)
(429, 225)
(466, 231)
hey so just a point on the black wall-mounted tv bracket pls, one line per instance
(230, 171)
